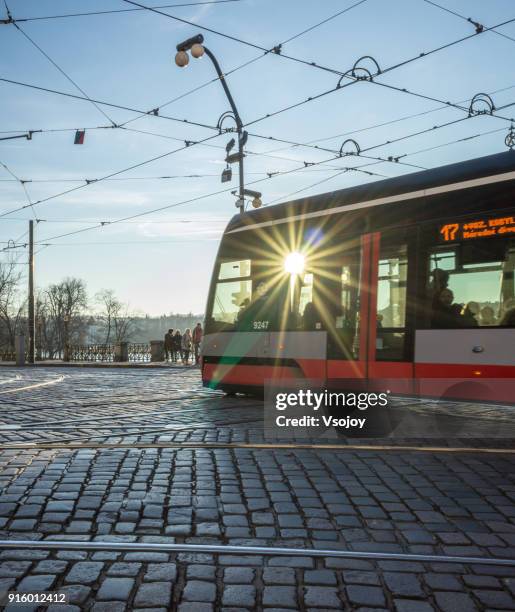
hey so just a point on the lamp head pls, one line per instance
(182, 59)
(197, 50)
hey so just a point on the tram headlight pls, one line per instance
(294, 263)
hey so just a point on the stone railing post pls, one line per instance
(20, 350)
(157, 350)
(121, 352)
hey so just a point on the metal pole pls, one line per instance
(32, 322)
(239, 124)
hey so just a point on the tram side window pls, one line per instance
(391, 303)
(471, 284)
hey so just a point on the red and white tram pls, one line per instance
(409, 279)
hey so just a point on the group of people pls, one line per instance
(180, 347)
(448, 315)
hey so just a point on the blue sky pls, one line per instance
(162, 262)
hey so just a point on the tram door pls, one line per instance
(386, 340)
(340, 292)
(368, 331)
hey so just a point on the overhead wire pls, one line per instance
(104, 103)
(149, 178)
(234, 38)
(476, 24)
(127, 10)
(383, 124)
(325, 180)
(291, 145)
(257, 58)
(218, 192)
(22, 183)
(110, 175)
(362, 151)
(343, 74)
(181, 203)
(302, 102)
(403, 63)
(425, 150)
(338, 87)
(66, 75)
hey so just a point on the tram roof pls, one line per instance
(477, 168)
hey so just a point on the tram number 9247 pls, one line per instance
(260, 325)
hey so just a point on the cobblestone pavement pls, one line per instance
(459, 503)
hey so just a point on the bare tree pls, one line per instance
(12, 304)
(116, 318)
(64, 304)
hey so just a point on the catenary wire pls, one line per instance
(67, 76)
(468, 19)
(380, 125)
(394, 160)
(420, 132)
(149, 178)
(128, 10)
(197, 198)
(346, 74)
(23, 186)
(433, 148)
(426, 54)
(325, 138)
(104, 103)
(110, 175)
(254, 59)
(176, 204)
(247, 43)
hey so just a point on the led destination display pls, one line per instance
(479, 228)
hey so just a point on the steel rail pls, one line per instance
(117, 417)
(268, 551)
(113, 400)
(34, 386)
(92, 421)
(207, 426)
(10, 380)
(256, 446)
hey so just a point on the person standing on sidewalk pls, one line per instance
(197, 339)
(169, 345)
(177, 345)
(186, 346)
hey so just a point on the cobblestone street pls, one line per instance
(101, 460)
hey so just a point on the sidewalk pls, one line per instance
(100, 364)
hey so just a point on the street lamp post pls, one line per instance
(197, 49)
(66, 352)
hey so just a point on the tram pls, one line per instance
(409, 279)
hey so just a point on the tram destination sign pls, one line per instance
(477, 228)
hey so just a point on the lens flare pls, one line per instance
(294, 263)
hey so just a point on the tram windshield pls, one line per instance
(249, 296)
(264, 281)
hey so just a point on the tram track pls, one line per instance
(257, 446)
(45, 383)
(113, 400)
(269, 551)
(116, 417)
(10, 380)
(155, 430)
